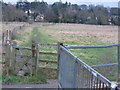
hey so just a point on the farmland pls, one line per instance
(82, 34)
(78, 34)
(75, 34)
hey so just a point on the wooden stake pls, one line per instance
(33, 58)
(37, 58)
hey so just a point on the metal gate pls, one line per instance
(74, 73)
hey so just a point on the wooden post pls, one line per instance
(58, 54)
(7, 36)
(3, 36)
(37, 58)
(3, 47)
(33, 58)
(7, 55)
(7, 58)
(10, 33)
(14, 59)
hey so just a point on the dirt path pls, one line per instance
(51, 84)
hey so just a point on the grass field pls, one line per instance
(40, 78)
(76, 34)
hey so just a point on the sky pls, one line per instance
(108, 3)
(72, 1)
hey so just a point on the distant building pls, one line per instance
(40, 17)
(83, 7)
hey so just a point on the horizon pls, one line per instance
(105, 4)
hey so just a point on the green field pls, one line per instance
(75, 34)
(40, 78)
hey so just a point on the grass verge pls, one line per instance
(40, 78)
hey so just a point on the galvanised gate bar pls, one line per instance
(74, 73)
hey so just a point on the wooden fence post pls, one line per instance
(3, 47)
(3, 36)
(13, 58)
(10, 35)
(58, 54)
(7, 58)
(33, 57)
(37, 58)
(7, 36)
(7, 54)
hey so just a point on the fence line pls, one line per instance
(103, 46)
(105, 65)
(47, 60)
(46, 44)
(11, 52)
(35, 53)
(48, 53)
(100, 46)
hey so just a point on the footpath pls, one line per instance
(51, 84)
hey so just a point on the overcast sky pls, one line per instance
(102, 2)
(72, 1)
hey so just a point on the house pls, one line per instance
(40, 17)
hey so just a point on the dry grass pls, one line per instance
(84, 34)
(78, 33)
(11, 25)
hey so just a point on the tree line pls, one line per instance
(59, 12)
